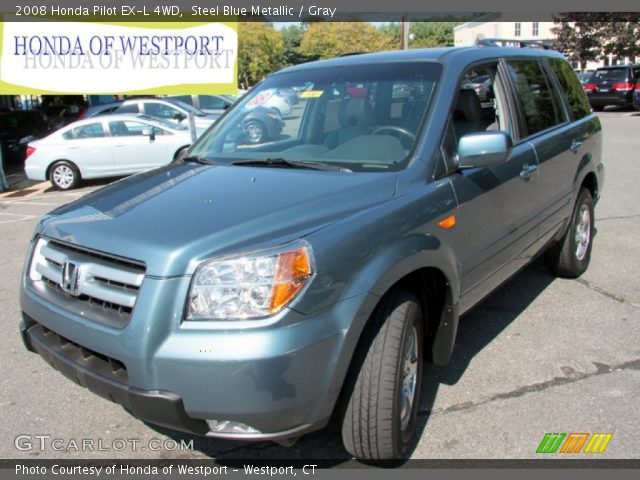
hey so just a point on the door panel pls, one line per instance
(496, 221)
(134, 151)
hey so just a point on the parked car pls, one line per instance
(17, 129)
(210, 104)
(260, 124)
(100, 109)
(636, 98)
(255, 291)
(104, 146)
(585, 77)
(613, 86)
(169, 110)
(482, 86)
(273, 99)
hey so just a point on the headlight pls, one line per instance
(254, 285)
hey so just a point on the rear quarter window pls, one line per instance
(571, 89)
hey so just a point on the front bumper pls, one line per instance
(281, 379)
(105, 378)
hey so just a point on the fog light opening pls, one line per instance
(227, 426)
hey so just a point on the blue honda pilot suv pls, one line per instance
(256, 290)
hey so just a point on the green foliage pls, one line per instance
(594, 36)
(260, 51)
(332, 39)
(424, 34)
(292, 36)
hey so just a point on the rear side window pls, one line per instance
(214, 103)
(571, 89)
(131, 108)
(184, 98)
(539, 103)
(92, 130)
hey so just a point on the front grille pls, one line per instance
(99, 287)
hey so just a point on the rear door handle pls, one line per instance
(575, 146)
(527, 171)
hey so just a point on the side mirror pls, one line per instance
(179, 116)
(149, 132)
(484, 149)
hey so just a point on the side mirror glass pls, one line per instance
(484, 149)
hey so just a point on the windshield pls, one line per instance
(613, 74)
(360, 117)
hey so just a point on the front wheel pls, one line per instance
(380, 417)
(571, 256)
(64, 175)
(256, 131)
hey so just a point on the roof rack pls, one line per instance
(510, 42)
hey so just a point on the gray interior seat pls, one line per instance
(356, 117)
(467, 116)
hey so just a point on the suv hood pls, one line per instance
(175, 216)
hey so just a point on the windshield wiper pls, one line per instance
(283, 163)
(198, 159)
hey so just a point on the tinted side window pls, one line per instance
(92, 130)
(214, 103)
(184, 98)
(538, 102)
(131, 108)
(571, 88)
(161, 110)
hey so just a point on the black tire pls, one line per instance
(256, 131)
(64, 175)
(374, 425)
(570, 257)
(597, 108)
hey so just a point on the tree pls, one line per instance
(595, 36)
(424, 34)
(260, 51)
(578, 38)
(620, 36)
(332, 39)
(292, 36)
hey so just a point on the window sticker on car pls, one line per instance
(260, 99)
(311, 94)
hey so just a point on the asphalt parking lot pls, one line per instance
(540, 355)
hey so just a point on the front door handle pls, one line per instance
(575, 146)
(527, 171)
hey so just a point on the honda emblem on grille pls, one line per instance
(70, 277)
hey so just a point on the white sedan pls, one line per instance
(104, 146)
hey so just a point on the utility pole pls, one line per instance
(404, 33)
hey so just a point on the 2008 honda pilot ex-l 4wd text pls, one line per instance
(254, 291)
